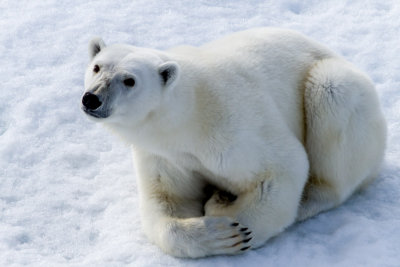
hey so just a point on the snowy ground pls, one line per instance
(68, 195)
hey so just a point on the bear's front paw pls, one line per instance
(206, 236)
(226, 236)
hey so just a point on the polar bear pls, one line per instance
(237, 139)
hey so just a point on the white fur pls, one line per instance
(261, 114)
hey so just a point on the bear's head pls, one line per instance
(124, 84)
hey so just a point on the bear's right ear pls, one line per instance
(95, 46)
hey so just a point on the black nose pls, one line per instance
(91, 101)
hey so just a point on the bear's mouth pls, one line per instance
(98, 113)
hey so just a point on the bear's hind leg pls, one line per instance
(318, 196)
(346, 134)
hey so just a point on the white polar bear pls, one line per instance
(234, 140)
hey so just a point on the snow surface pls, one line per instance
(68, 194)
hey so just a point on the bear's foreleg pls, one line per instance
(192, 237)
(271, 205)
(173, 219)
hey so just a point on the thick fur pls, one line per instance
(235, 140)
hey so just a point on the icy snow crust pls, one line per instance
(68, 194)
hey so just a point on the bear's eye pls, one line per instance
(129, 82)
(96, 68)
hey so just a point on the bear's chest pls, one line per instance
(196, 173)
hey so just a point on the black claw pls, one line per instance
(247, 233)
(235, 224)
(236, 244)
(247, 240)
(244, 229)
(245, 248)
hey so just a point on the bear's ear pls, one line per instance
(95, 46)
(169, 72)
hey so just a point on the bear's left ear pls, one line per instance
(95, 46)
(169, 72)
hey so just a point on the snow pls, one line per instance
(68, 194)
